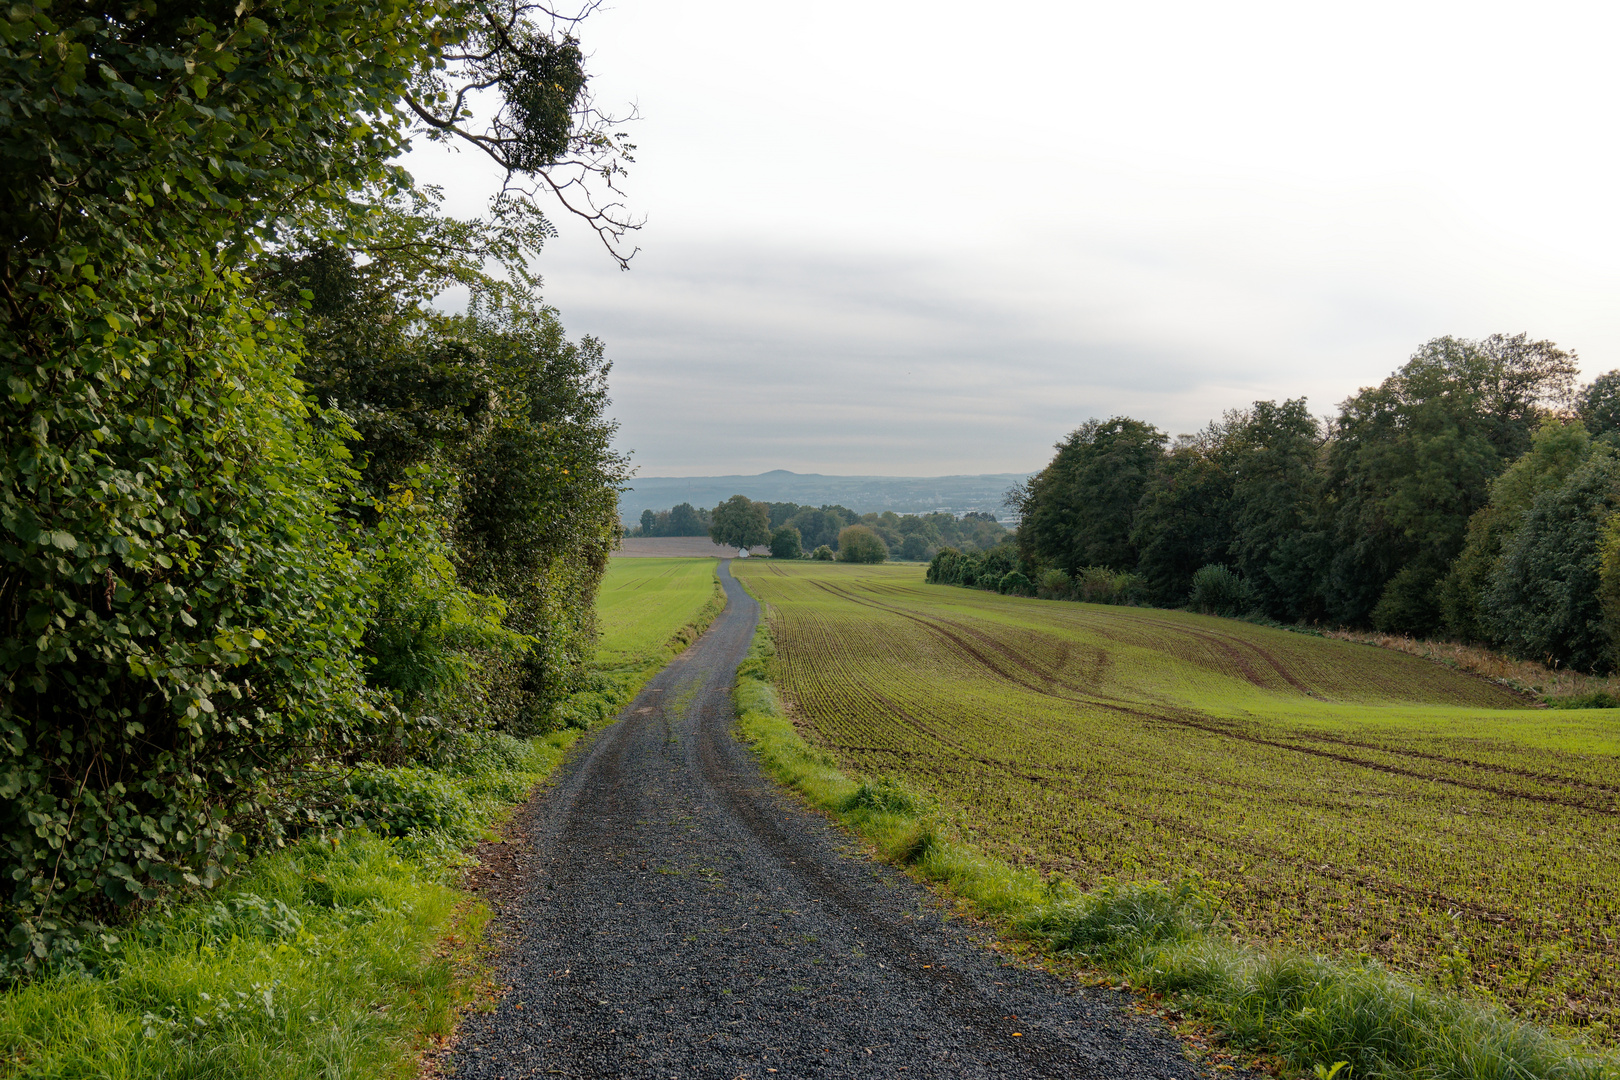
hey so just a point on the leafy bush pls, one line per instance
(1054, 584)
(1545, 596)
(1219, 590)
(981, 569)
(1100, 585)
(785, 543)
(1015, 583)
(859, 544)
(823, 553)
(397, 802)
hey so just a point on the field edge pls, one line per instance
(1282, 1009)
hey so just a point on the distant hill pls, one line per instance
(862, 494)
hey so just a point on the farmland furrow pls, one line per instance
(1298, 775)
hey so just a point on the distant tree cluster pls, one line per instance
(682, 520)
(742, 522)
(1473, 493)
(904, 536)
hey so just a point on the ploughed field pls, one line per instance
(1336, 797)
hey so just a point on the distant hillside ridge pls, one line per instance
(863, 494)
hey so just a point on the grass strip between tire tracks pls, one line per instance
(342, 956)
(1306, 1014)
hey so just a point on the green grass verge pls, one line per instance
(343, 956)
(335, 957)
(1307, 1012)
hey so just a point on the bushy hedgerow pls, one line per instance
(1015, 583)
(229, 584)
(1220, 590)
(975, 569)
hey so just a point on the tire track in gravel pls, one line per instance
(680, 917)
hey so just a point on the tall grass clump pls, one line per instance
(1310, 1012)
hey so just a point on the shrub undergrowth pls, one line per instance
(335, 956)
(1559, 687)
(1309, 1012)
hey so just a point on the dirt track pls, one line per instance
(672, 914)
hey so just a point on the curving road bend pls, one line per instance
(670, 913)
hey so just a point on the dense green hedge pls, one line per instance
(267, 522)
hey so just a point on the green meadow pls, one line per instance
(644, 604)
(1332, 796)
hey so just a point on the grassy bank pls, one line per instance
(344, 955)
(1304, 1012)
(1558, 687)
(335, 957)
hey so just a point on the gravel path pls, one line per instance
(672, 914)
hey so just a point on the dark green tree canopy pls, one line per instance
(1079, 510)
(740, 522)
(1599, 406)
(785, 543)
(1184, 519)
(1544, 601)
(1412, 459)
(859, 544)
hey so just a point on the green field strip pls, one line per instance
(643, 603)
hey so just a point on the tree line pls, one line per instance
(266, 516)
(791, 529)
(1473, 494)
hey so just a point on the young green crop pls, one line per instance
(1334, 797)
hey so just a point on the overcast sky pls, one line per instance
(929, 238)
